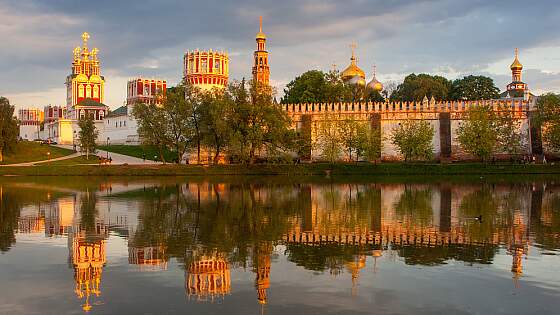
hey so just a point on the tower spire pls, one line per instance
(260, 24)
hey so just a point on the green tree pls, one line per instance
(474, 88)
(328, 137)
(369, 143)
(88, 135)
(315, 86)
(478, 133)
(413, 139)
(509, 137)
(9, 128)
(194, 121)
(336, 90)
(349, 136)
(257, 124)
(216, 108)
(416, 87)
(309, 87)
(176, 112)
(152, 126)
(548, 107)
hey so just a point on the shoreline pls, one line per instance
(319, 169)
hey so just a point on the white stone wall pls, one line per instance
(120, 130)
(29, 132)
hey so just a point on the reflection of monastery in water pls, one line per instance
(87, 257)
(207, 277)
(335, 228)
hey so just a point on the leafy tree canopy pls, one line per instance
(474, 88)
(416, 87)
(549, 116)
(413, 139)
(9, 129)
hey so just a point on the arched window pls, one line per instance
(95, 91)
(88, 91)
(81, 90)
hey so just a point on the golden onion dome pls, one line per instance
(352, 70)
(357, 80)
(375, 85)
(516, 65)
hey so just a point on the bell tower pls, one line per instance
(261, 69)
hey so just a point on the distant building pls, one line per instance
(30, 123)
(53, 113)
(261, 68)
(517, 88)
(206, 70)
(85, 95)
(120, 126)
(147, 91)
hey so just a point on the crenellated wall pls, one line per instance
(444, 117)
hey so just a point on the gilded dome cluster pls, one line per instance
(356, 76)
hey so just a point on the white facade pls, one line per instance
(119, 129)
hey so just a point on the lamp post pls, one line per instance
(74, 141)
(108, 147)
(49, 156)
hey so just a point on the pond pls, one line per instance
(277, 246)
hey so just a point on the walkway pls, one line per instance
(118, 158)
(66, 157)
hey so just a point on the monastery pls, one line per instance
(209, 69)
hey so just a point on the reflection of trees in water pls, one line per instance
(415, 206)
(230, 219)
(10, 206)
(12, 200)
(321, 257)
(482, 203)
(545, 218)
(438, 255)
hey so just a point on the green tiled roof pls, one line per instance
(121, 111)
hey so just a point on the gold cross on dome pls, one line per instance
(516, 52)
(353, 47)
(85, 37)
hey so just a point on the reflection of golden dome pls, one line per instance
(516, 65)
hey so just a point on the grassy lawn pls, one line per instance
(28, 151)
(76, 161)
(458, 171)
(139, 151)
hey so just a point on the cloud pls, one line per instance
(449, 37)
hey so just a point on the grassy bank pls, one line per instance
(139, 151)
(27, 151)
(287, 170)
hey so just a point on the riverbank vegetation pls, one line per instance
(314, 169)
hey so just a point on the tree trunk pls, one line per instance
(161, 155)
(198, 150)
(216, 157)
(1, 155)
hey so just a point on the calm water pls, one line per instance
(167, 246)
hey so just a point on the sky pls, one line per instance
(148, 38)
